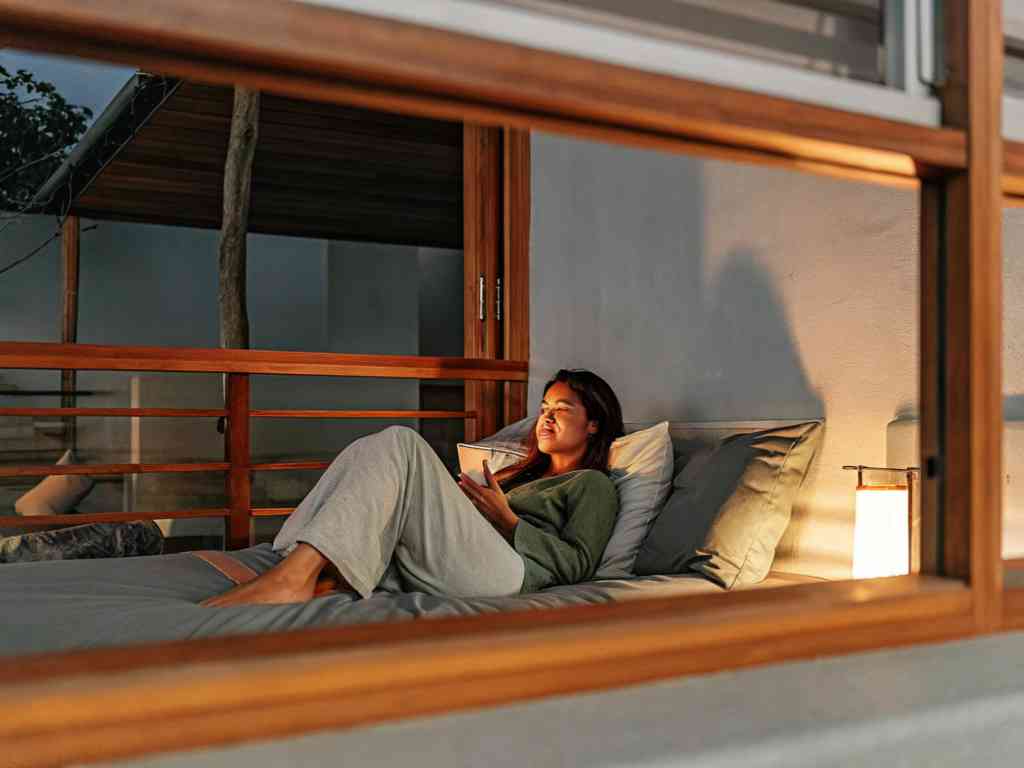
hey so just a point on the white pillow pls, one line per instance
(56, 494)
(640, 465)
(641, 468)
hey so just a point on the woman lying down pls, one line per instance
(387, 508)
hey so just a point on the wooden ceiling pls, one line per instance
(321, 170)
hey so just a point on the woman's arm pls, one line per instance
(572, 555)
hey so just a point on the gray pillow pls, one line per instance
(729, 507)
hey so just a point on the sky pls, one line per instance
(85, 83)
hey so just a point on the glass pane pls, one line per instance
(1013, 384)
(837, 37)
(1013, 63)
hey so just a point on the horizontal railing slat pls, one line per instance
(332, 414)
(111, 469)
(277, 466)
(51, 356)
(271, 511)
(40, 521)
(162, 412)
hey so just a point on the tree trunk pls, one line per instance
(70, 241)
(234, 317)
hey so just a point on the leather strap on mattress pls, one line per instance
(227, 565)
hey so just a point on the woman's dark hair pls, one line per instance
(600, 404)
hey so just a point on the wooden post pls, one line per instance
(237, 453)
(70, 243)
(234, 317)
(962, 221)
(482, 245)
(516, 280)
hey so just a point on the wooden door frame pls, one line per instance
(99, 705)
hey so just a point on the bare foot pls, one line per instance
(293, 580)
(268, 588)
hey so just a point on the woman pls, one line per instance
(387, 509)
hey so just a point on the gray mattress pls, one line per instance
(50, 606)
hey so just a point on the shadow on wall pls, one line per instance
(747, 349)
(620, 284)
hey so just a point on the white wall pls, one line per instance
(705, 290)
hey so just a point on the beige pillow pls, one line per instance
(730, 507)
(56, 494)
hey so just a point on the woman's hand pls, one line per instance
(491, 501)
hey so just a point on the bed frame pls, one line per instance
(101, 705)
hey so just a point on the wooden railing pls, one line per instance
(239, 365)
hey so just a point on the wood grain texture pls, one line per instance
(44, 521)
(1013, 610)
(972, 483)
(482, 246)
(286, 466)
(272, 511)
(341, 172)
(311, 51)
(516, 267)
(23, 354)
(1013, 168)
(447, 664)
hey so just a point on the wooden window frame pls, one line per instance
(97, 705)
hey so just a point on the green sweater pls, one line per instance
(564, 524)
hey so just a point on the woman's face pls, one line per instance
(563, 426)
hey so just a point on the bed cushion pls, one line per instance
(729, 508)
(640, 466)
(56, 494)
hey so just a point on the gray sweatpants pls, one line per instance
(387, 504)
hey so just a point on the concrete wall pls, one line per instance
(956, 704)
(705, 290)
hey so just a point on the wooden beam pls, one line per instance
(971, 239)
(44, 355)
(382, 63)
(516, 269)
(71, 232)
